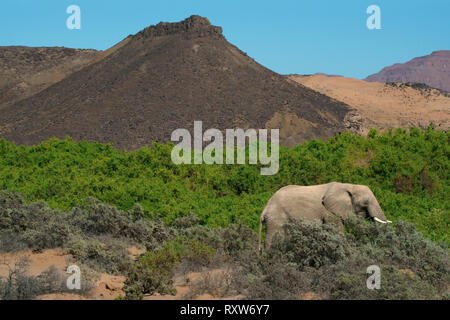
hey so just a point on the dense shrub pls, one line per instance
(32, 225)
(96, 234)
(349, 283)
(106, 255)
(312, 244)
(273, 277)
(95, 218)
(319, 259)
(401, 245)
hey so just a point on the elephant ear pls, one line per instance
(338, 200)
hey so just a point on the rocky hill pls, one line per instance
(164, 78)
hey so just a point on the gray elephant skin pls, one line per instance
(328, 203)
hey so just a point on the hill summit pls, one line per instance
(192, 27)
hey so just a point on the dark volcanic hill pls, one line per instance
(25, 71)
(164, 78)
(432, 70)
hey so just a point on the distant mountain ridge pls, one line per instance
(432, 70)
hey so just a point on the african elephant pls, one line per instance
(329, 203)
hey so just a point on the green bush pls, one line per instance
(312, 244)
(95, 218)
(350, 284)
(106, 255)
(34, 225)
(153, 271)
(401, 245)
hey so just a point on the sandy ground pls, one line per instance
(109, 287)
(39, 262)
(384, 106)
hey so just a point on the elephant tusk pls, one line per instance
(388, 221)
(381, 221)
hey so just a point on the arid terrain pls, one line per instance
(383, 106)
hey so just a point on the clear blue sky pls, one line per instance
(287, 36)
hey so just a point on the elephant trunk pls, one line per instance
(377, 213)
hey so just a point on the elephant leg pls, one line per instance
(333, 219)
(273, 227)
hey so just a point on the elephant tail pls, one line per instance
(261, 220)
